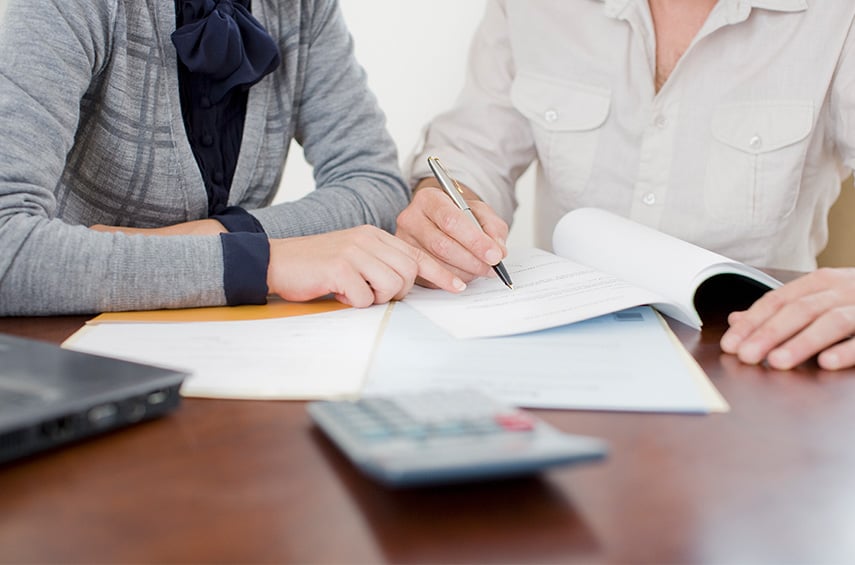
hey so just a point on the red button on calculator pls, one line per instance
(515, 422)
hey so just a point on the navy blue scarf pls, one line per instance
(222, 40)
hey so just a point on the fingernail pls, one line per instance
(830, 361)
(750, 354)
(730, 342)
(781, 359)
(502, 242)
(493, 257)
(458, 284)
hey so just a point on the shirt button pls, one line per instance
(207, 140)
(755, 142)
(550, 116)
(205, 102)
(660, 121)
(649, 199)
(217, 177)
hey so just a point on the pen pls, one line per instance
(452, 189)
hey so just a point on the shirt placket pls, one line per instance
(660, 118)
(650, 191)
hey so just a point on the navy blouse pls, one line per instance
(222, 51)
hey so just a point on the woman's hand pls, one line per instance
(361, 266)
(814, 314)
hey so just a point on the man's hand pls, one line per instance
(361, 266)
(196, 227)
(814, 314)
(433, 223)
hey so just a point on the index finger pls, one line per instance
(467, 231)
(494, 226)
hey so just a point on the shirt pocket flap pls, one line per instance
(761, 127)
(558, 105)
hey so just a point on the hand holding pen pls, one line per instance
(452, 189)
(433, 223)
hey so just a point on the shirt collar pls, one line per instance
(736, 9)
(775, 5)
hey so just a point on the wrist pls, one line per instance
(210, 226)
(426, 183)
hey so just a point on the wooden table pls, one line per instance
(772, 481)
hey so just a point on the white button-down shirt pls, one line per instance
(742, 151)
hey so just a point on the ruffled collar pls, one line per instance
(222, 40)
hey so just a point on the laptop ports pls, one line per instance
(102, 416)
(157, 397)
(58, 428)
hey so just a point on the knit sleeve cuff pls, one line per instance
(245, 260)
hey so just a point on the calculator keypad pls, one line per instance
(424, 417)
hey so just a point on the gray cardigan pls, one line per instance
(91, 132)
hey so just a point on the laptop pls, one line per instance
(51, 396)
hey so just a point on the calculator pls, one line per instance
(446, 436)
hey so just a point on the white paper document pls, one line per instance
(627, 360)
(602, 263)
(302, 357)
(548, 291)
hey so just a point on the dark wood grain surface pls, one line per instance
(772, 481)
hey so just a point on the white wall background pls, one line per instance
(414, 53)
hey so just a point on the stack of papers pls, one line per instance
(627, 360)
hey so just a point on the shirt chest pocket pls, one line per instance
(755, 162)
(566, 119)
